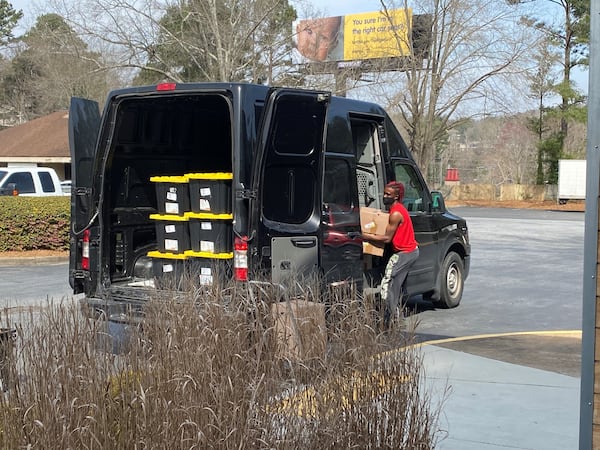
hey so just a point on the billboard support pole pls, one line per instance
(341, 82)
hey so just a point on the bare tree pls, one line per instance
(188, 40)
(50, 65)
(476, 47)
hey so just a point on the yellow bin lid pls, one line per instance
(210, 176)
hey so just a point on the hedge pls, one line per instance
(34, 223)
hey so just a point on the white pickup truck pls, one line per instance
(30, 181)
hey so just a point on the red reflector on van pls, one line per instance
(85, 250)
(240, 258)
(166, 86)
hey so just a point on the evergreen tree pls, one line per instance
(8, 21)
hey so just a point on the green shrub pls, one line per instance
(34, 223)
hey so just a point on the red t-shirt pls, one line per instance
(404, 237)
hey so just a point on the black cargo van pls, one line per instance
(242, 182)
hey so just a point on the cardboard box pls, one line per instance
(373, 221)
(300, 330)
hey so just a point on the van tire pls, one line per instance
(451, 281)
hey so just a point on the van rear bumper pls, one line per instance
(112, 310)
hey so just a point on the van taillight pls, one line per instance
(85, 250)
(166, 86)
(240, 258)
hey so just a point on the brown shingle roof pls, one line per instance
(45, 136)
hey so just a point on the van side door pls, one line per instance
(84, 123)
(286, 211)
(417, 200)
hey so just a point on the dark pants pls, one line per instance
(393, 283)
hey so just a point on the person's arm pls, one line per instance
(393, 223)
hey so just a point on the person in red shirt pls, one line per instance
(400, 235)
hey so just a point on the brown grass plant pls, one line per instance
(202, 371)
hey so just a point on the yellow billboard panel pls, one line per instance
(354, 37)
(377, 35)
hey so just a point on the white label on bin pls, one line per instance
(170, 228)
(204, 205)
(206, 225)
(205, 192)
(205, 276)
(172, 208)
(172, 196)
(207, 246)
(172, 245)
(167, 268)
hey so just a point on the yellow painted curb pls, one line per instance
(564, 333)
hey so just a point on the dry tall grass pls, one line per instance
(203, 372)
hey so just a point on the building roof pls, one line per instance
(45, 138)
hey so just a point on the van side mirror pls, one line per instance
(437, 202)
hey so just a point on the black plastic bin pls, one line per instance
(172, 233)
(209, 269)
(172, 194)
(210, 192)
(170, 270)
(211, 233)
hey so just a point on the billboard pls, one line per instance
(353, 37)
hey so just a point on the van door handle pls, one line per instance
(354, 234)
(304, 243)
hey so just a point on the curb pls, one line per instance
(32, 260)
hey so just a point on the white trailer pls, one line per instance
(571, 180)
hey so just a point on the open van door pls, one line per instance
(84, 123)
(286, 211)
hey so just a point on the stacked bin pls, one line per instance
(172, 230)
(194, 226)
(169, 269)
(210, 192)
(172, 233)
(211, 221)
(173, 194)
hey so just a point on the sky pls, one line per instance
(323, 7)
(330, 7)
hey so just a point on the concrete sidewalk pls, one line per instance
(489, 404)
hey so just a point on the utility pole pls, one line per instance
(589, 417)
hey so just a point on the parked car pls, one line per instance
(30, 181)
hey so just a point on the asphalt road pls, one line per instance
(526, 276)
(27, 285)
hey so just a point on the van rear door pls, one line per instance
(84, 123)
(286, 212)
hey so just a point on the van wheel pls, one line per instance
(451, 281)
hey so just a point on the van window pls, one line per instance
(295, 129)
(337, 192)
(362, 134)
(413, 188)
(368, 171)
(23, 181)
(47, 183)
